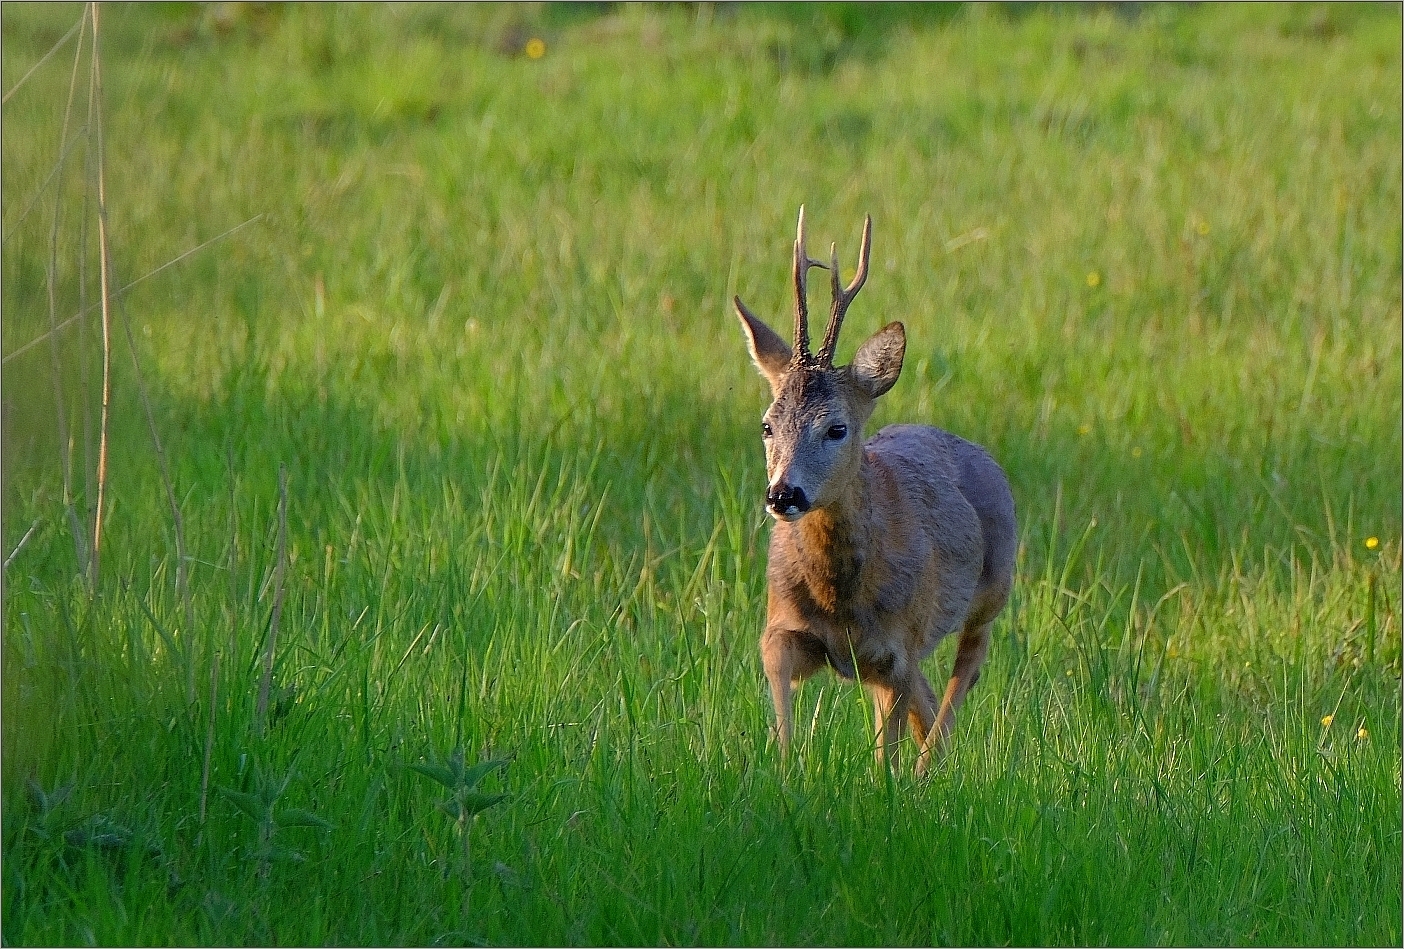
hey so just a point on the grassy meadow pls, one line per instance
(457, 431)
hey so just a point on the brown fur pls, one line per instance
(909, 538)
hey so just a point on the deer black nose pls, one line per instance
(785, 499)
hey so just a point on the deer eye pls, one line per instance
(837, 432)
(766, 430)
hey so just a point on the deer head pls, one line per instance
(813, 430)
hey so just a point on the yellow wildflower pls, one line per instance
(1326, 720)
(1362, 734)
(1084, 429)
(1201, 227)
(535, 47)
(1135, 451)
(1371, 543)
(1094, 279)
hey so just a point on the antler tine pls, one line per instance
(802, 264)
(843, 296)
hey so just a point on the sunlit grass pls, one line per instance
(481, 321)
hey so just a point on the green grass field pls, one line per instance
(1149, 255)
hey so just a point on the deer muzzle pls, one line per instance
(786, 501)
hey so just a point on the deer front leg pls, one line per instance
(890, 707)
(788, 656)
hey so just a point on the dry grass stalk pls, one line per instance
(45, 58)
(105, 277)
(84, 309)
(25, 539)
(79, 531)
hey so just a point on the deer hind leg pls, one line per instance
(921, 713)
(971, 649)
(890, 709)
(788, 656)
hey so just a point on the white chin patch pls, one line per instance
(791, 513)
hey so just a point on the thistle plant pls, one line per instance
(261, 806)
(464, 801)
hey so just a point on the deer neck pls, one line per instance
(831, 544)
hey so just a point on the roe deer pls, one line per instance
(879, 550)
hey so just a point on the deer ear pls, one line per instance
(769, 352)
(878, 362)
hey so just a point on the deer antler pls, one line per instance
(802, 264)
(843, 296)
